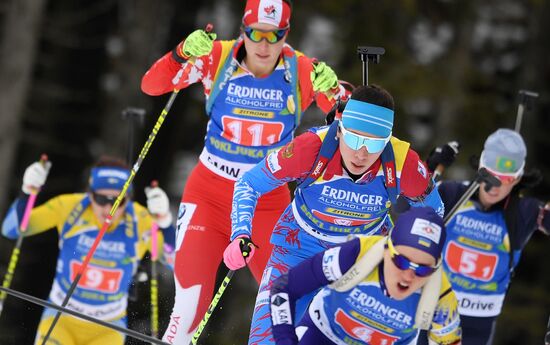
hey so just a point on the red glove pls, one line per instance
(239, 252)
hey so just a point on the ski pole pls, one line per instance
(526, 99)
(154, 276)
(14, 258)
(211, 307)
(482, 175)
(47, 304)
(108, 220)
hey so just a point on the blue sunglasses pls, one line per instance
(403, 263)
(356, 141)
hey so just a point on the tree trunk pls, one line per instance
(17, 53)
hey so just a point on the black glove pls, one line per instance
(338, 107)
(444, 155)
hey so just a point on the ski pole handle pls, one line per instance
(31, 201)
(14, 258)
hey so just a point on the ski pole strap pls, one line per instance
(246, 246)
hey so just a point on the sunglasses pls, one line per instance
(356, 141)
(272, 37)
(403, 263)
(103, 200)
(504, 178)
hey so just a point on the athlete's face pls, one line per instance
(402, 283)
(495, 194)
(102, 202)
(359, 161)
(262, 56)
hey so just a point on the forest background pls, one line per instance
(69, 68)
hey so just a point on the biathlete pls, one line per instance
(486, 236)
(256, 89)
(102, 292)
(348, 176)
(380, 307)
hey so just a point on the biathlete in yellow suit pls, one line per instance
(102, 292)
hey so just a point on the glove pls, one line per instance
(198, 43)
(35, 176)
(323, 78)
(444, 155)
(239, 252)
(159, 206)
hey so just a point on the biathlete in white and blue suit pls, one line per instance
(342, 190)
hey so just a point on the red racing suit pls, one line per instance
(248, 118)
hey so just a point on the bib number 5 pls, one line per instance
(470, 262)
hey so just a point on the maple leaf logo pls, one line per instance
(270, 10)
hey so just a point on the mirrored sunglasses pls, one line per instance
(356, 141)
(403, 263)
(503, 177)
(103, 200)
(272, 37)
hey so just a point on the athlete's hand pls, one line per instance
(198, 43)
(239, 252)
(159, 206)
(323, 77)
(444, 155)
(35, 176)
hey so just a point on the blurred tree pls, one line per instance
(20, 33)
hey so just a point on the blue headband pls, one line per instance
(367, 117)
(109, 178)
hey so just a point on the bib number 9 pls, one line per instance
(97, 278)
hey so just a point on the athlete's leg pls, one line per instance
(59, 336)
(202, 235)
(269, 209)
(309, 334)
(108, 336)
(477, 330)
(279, 263)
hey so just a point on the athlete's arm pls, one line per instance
(417, 186)
(168, 74)
(42, 218)
(324, 101)
(320, 270)
(532, 215)
(291, 162)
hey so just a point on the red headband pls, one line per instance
(273, 12)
